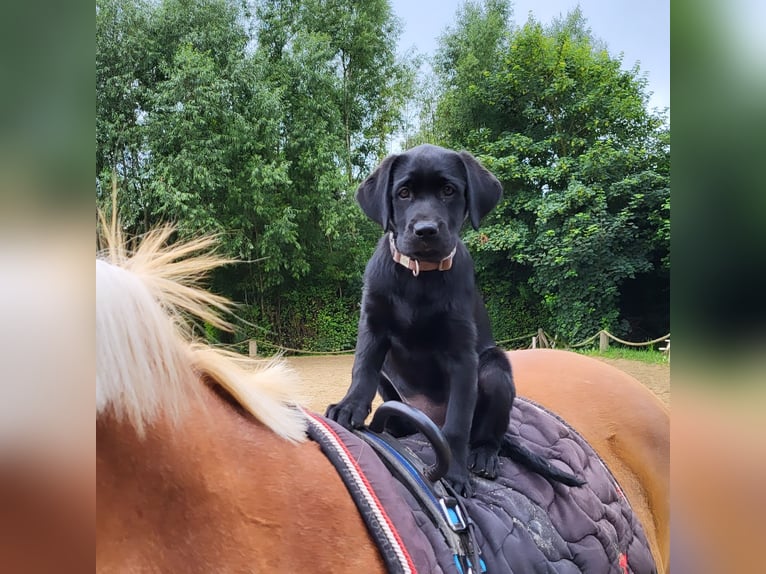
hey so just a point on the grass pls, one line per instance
(644, 355)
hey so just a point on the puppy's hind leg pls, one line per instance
(492, 413)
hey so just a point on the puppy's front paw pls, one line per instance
(348, 413)
(484, 461)
(460, 480)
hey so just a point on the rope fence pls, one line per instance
(652, 342)
(539, 339)
(255, 342)
(586, 341)
(504, 342)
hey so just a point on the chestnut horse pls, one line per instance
(202, 462)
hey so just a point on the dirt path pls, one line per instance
(326, 377)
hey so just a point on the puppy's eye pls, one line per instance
(404, 192)
(448, 190)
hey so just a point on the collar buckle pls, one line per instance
(415, 265)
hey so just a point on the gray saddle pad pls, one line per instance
(523, 523)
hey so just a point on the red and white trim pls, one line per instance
(353, 471)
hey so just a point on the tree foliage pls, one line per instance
(584, 164)
(255, 125)
(258, 120)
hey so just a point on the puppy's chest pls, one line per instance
(422, 325)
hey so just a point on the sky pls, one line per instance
(639, 29)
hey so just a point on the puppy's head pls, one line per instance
(425, 194)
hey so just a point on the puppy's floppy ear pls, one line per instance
(374, 196)
(483, 190)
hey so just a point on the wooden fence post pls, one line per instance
(603, 341)
(666, 349)
(252, 348)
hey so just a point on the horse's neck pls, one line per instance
(221, 492)
(137, 472)
(171, 489)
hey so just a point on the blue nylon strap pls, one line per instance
(406, 464)
(449, 505)
(469, 564)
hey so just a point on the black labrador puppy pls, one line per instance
(424, 333)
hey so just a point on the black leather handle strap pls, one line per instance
(425, 425)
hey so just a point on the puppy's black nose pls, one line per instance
(425, 228)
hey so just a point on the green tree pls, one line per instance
(584, 164)
(122, 36)
(342, 91)
(256, 125)
(467, 54)
(357, 42)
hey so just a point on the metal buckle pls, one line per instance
(452, 513)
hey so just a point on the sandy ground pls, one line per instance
(326, 377)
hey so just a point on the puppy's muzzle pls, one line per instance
(425, 229)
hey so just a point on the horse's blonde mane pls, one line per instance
(147, 362)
